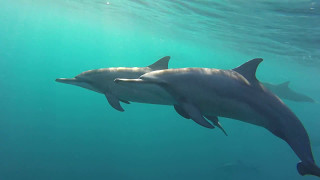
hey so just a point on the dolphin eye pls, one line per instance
(80, 78)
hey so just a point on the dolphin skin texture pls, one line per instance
(102, 81)
(235, 94)
(284, 92)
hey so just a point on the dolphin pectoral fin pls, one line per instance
(195, 115)
(215, 121)
(124, 101)
(180, 111)
(114, 101)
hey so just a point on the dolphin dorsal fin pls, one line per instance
(248, 70)
(160, 64)
(284, 85)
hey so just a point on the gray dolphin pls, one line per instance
(102, 81)
(235, 94)
(283, 91)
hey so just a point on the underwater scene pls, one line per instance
(159, 90)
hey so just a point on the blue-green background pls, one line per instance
(56, 131)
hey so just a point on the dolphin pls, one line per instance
(102, 81)
(283, 91)
(235, 94)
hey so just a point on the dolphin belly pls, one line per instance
(143, 93)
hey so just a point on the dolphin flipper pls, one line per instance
(185, 109)
(180, 111)
(124, 101)
(195, 115)
(215, 121)
(114, 101)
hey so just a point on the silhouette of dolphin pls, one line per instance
(235, 94)
(284, 92)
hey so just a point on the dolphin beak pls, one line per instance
(67, 80)
(78, 82)
(120, 80)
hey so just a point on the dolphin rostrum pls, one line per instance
(235, 94)
(283, 91)
(102, 81)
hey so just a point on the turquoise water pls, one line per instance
(50, 130)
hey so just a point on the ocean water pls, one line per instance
(55, 131)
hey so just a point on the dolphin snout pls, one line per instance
(66, 80)
(60, 79)
(120, 80)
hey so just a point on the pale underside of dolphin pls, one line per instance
(284, 92)
(236, 94)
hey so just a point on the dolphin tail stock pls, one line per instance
(308, 169)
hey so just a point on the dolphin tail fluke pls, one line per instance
(311, 169)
